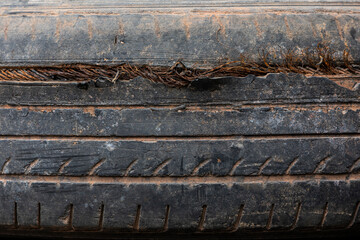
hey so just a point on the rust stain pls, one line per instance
(69, 23)
(313, 30)
(90, 110)
(321, 30)
(157, 27)
(338, 26)
(348, 82)
(189, 180)
(33, 28)
(340, 31)
(294, 61)
(57, 29)
(258, 29)
(121, 27)
(6, 29)
(187, 23)
(222, 28)
(288, 29)
(90, 28)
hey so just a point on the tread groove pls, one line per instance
(4, 165)
(323, 218)
(180, 180)
(200, 227)
(236, 165)
(71, 217)
(96, 166)
(128, 169)
(161, 166)
(166, 220)
(291, 165)
(238, 218)
(39, 216)
(101, 217)
(16, 224)
(265, 163)
(198, 167)
(321, 165)
(136, 226)
(31, 165)
(62, 167)
(297, 216)
(354, 165)
(271, 214)
(353, 218)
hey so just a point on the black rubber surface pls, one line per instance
(255, 157)
(236, 156)
(157, 32)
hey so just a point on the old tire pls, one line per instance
(272, 156)
(236, 156)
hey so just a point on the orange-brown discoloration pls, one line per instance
(340, 31)
(314, 30)
(31, 165)
(307, 107)
(222, 29)
(90, 28)
(192, 180)
(90, 110)
(258, 29)
(187, 23)
(57, 29)
(33, 28)
(121, 27)
(288, 29)
(96, 166)
(348, 82)
(338, 26)
(196, 108)
(157, 27)
(6, 28)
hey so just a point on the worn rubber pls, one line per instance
(273, 156)
(156, 32)
(236, 156)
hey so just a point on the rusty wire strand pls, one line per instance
(320, 61)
